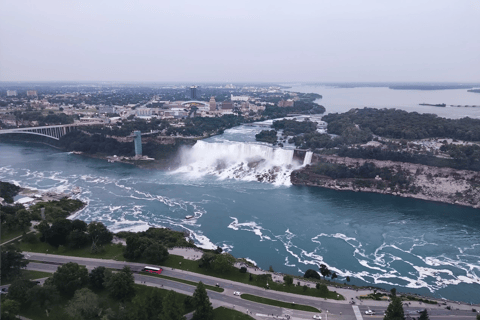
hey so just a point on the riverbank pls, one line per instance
(447, 185)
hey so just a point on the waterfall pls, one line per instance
(308, 158)
(238, 160)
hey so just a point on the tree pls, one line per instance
(203, 306)
(288, 280)
(120, 284)
(12, 261)
(310, 273)
(77, 239)
(136, 246)
(99, 234)
(18, 290)
(424, 315)
(70, 277)
(43, 296)
(478, 316)
(155, 253)
(334, 275)
(57, 234)
(10, 309)
(96, 277)
(23, 218)
(206, 260)
(393, 292)
(84, 305)
(172, 310)
(223, 263)
(79, 225)
(394, 310)
(348, 279)
(324, 271)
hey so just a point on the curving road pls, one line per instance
(336, 309)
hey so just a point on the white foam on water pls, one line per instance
(308, 158)
(241, 161)
(251, 261)
(249, 226)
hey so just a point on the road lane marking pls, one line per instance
(357, 312)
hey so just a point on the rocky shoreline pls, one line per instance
(446, 185)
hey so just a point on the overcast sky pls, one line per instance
(246, 40)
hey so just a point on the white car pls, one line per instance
(370, 312)
(236, 293)
(317, 316)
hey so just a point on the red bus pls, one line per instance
(152, 270)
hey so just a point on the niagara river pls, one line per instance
(241, 200)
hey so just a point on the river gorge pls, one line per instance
(242, 200)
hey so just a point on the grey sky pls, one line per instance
(260, 40)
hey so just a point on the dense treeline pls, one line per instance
(314, 140)
(269, 136)
(49, 119)
(74, 234)
(57, 209)
(430, 86)
(294, 127)
(95, 143)
(100, 144)
(399, 124)
(151, 245)
(460, 160)
(198, 126)
(126, 128)
(8, 191)
(389, 178)
(301, 107)
(17, 217)
(72, 293)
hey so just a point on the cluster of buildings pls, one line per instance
(195, 108)
(246, 100)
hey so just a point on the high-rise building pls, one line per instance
(213, 104)
(227, 105)
(193, 92)
(138, 143)
(11, 93)
(31, 93)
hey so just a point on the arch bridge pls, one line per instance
(53, 132)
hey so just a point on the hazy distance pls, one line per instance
(225, 41)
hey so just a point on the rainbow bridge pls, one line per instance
(53, 132)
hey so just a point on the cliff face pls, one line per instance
(428, 183)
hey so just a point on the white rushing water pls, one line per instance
(308, 158)
(242, 161)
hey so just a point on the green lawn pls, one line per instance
(9, 234)
(277, 303)
(223, 313)
(112, 251)
(28, 274)
(213, 288)
(233, 274)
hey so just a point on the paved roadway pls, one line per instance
(336, 309)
